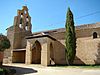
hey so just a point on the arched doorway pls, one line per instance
(36, 53)
(94, 35)
(51, 55)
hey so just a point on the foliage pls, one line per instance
(70, 37)
(4, 71)
(4, 42)
(1, 71)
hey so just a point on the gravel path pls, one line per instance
(23, 69)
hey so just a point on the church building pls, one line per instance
(48, 47)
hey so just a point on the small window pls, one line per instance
(21, 13)
(94, 35)
(27, 17)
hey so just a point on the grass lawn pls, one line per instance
(80, 66)
(86, 67)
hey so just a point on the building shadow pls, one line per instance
(60, 53)
(78, 62)
(21, 70)
(63, 61)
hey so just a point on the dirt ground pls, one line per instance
(23, 69)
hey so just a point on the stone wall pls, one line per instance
(59, 53)
(87, 51)
(19, 38)
(84, 33)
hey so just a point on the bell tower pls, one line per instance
(20, 30)
(23, 20)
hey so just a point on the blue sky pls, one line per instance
(49, 14)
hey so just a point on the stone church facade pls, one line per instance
(48, 47)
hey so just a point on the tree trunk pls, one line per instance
(1, 57)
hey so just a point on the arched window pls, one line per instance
(94, 35)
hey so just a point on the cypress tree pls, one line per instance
(70, 38)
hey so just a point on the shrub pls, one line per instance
(2, 71)
(4, 42)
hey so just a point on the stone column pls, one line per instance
(45, 55)
(28, 53)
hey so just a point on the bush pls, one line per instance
(4, 42)
(4, 71)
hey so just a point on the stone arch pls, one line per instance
(51, 55)
(94, 35)
(36, 53)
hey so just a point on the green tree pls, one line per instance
(4, 42)
(70, 39)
